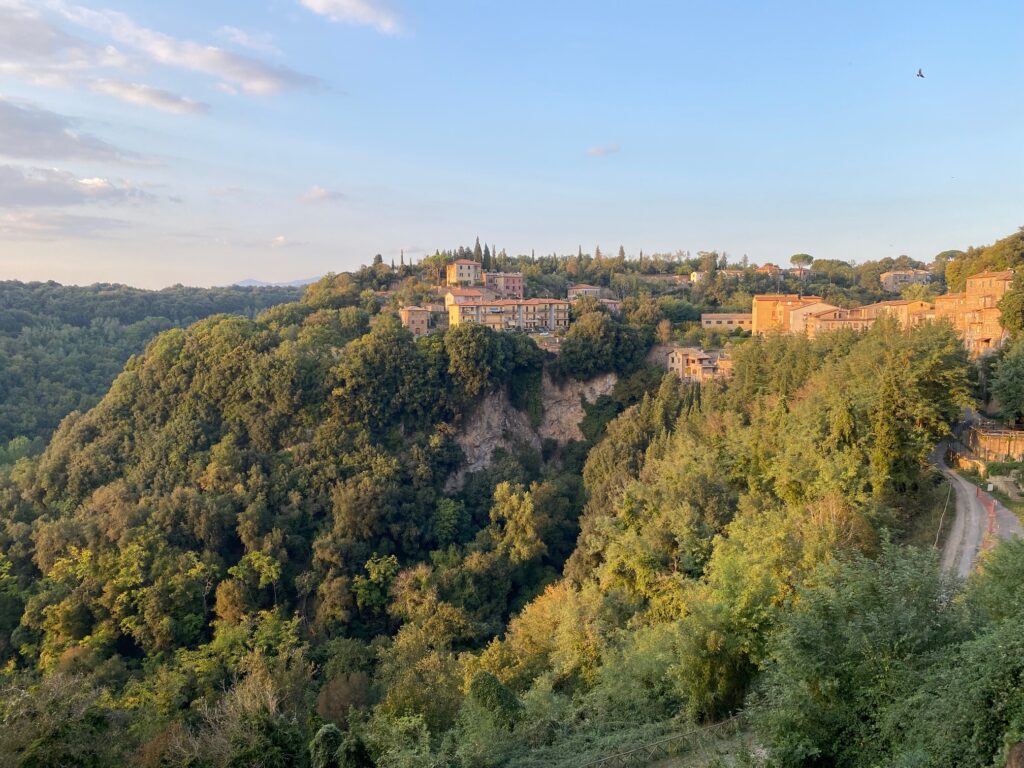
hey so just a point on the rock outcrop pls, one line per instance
(563, 406)
(495, 423)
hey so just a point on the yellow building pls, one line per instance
(463, 272)
(694, 364)
(512, 314)
(975, 313)
(771, 311)
(465, 295)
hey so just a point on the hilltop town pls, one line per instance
(696, 346)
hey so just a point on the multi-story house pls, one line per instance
(466, 295)
(504, 285)
(771, 312)
(463, 272)
(694, 364)
(416, 319)
(893, 282)
(907, 312)
(581, 290)
(512, 314)
(975, 313)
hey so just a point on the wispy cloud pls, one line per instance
(607, 149)
(226, 191)
(363, 12)
(44, 187)
(318, 194)
(56, 226)
(246, 73)
(28, 131)
(147, 96)
(282, 242)
(254, 41)
(36, 50)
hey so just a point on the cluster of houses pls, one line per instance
(495, 300)
(974, 312)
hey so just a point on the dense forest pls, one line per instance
(258, 548)
(61, 346)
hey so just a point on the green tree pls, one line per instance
(1008, 385)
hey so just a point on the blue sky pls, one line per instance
(154, 142)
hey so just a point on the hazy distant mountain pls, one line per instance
(251, 283)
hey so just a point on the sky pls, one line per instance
(154, 143)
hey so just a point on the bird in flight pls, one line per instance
(920, 73)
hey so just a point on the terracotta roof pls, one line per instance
(513, 302)
(414, 308)
(466, 261)
(581, 286)
(1006, 273)
(455, 291)
(787, 296)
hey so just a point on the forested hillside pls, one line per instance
(61, 346)
(249, 553)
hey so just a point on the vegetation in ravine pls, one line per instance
(257, 550)
(61, 346)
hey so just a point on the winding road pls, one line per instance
(971, 526)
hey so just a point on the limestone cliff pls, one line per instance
(496, 424)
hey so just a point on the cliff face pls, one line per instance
(496, 424)
(563, 408)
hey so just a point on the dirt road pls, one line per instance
(973, 521)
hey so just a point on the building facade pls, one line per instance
(727, 321)
(463, 272)
(416, 319)
(771, 312)
(466, 295)
(512, 314)
(581, 290)
(696, 365)
(908, 313)
(974, 312)
(893, 282)
(504, 285)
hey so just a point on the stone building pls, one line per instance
(416, 319)
(907, 312)
(974, 312)
(893, 282)
(697, 365)
(771, 311)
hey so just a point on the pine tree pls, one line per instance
(622, 253)
(401, 258)
(478, 254)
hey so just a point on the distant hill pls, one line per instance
(62, 346)
(252, 283)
